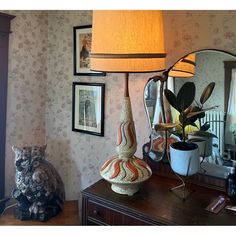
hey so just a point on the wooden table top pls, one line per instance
(155, 201)
(69, 216)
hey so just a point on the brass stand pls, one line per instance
(181, 190)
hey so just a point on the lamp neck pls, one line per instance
(126, 88)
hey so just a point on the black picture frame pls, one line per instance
(82, 39)
(88, 101)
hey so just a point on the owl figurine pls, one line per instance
(39, 188)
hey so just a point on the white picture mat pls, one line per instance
(78, 49)
(97, 102)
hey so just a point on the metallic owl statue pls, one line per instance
(39, 189)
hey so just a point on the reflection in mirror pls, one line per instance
(152, 106)
(152, 97)
(184, 68)
(152, 100)
(210, 67)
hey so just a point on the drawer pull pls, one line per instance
(96, 213)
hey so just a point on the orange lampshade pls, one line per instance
(184, 68)
(127, 41)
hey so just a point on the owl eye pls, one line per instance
(35, 163)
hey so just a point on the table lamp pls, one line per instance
(126, 41)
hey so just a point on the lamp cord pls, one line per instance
(10, 206)
(3, 201)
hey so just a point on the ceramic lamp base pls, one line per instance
(125, 174)
(125, 171)
(125, 189)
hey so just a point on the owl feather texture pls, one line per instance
(39, 188)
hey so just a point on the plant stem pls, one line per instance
(183, 128)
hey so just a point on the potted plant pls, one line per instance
(203, 128)
(184, 156)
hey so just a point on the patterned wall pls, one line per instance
(40, 85)
(188, 31)
(26, 85)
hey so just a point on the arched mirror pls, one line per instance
(207, 66)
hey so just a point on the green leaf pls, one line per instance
(205, 127)
(200, 115)
(196, 113)
(186, 96)
(191, 122)
(207, 92)
(204, 134)
(164, 127)
(171, 98)
(183, 118)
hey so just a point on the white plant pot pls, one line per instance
(184, 162)
(207, 151)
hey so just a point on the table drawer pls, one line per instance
(103, 215)
(96, 211)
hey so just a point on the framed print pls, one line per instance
(88, 108)
(82, 49)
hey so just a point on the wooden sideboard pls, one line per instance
(69, 216)
(154, 204)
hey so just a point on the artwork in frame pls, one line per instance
(88, 108)
(82, 48)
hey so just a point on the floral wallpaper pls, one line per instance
(40, 87)
(187, 31)
(26, 85)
